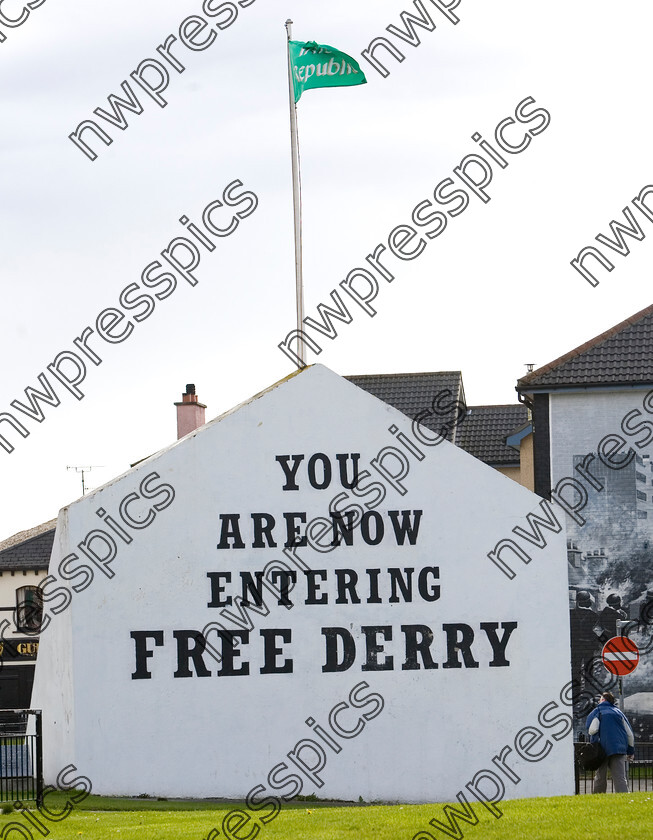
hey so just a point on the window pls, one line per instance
(640, 477)
(641, 495)
(642, 514)
(29, 609)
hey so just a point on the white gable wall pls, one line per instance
(222, 735)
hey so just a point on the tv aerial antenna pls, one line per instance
(83, 471)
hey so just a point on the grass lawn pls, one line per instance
(572, 818)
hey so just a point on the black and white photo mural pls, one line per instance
(601, 464)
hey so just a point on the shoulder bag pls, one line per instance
(591, 755)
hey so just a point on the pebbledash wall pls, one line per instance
(610, 537)
(404, 664)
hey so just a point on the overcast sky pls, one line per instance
(493, 292)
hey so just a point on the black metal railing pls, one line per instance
(21, 756)
(640, 772)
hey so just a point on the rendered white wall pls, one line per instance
(222, 735)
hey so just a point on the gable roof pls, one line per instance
(413, 393)
(28, 550)
(484, 430)
(622, 355)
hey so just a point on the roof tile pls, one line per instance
(622, 355)
(33, 553)
(413, 393)
(484, 431)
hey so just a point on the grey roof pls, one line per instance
(623, 355)
(28, 550)
(484, 431)
(413, 393)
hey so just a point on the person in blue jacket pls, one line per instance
(610, 726)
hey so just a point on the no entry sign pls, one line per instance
(620, 656)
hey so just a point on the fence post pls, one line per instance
(576, 774)
(39, 759)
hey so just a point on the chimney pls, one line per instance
(190, 413)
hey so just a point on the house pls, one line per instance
(24, 560)
(502, 437)
(592, 412)
(499, 435)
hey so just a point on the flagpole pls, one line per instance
(297, 202)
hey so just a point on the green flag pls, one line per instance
(319, 65)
